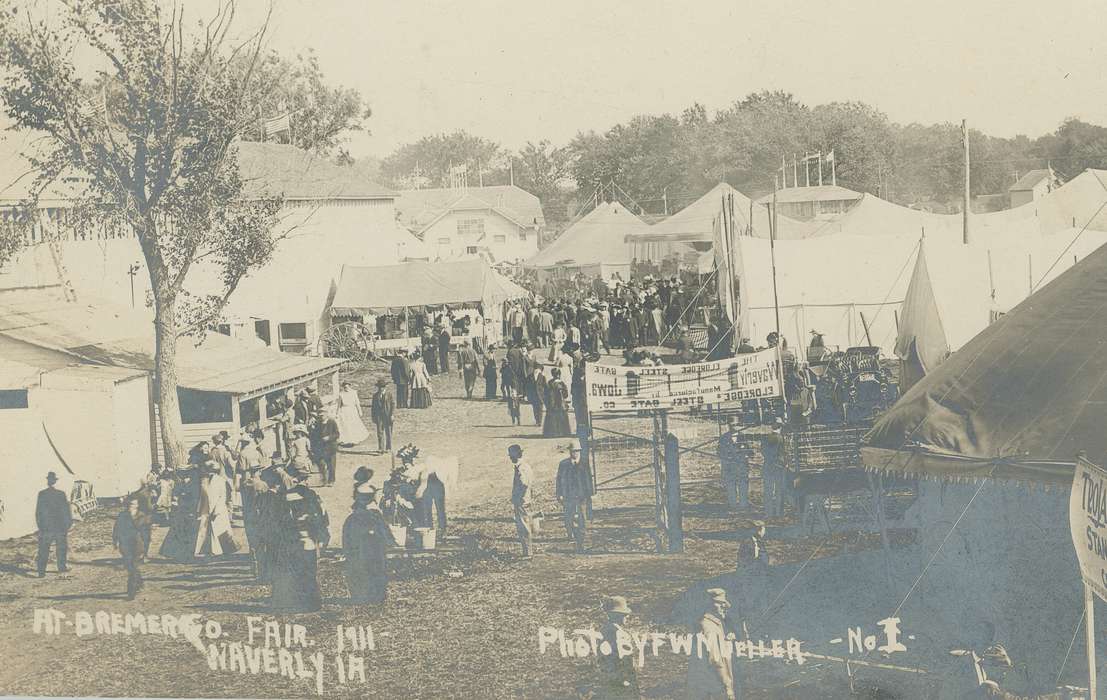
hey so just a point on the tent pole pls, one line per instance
(865, 325)
(772, 255)
(1089, 631)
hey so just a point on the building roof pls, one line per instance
(419, 209)
(597, 237)
(279, 169)
(101, 334)
(267, 169)
(392, 288)
(1030, 180)
(814, 193)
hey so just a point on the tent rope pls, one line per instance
(1070, 245)
(1075, 631)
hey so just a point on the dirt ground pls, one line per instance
(459, 622)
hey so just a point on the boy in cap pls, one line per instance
(710, 675)
(521, 496)
(127, 537)
(619, 678)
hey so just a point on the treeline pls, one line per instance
(663, 162)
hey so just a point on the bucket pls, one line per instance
(399, 533)
(425, 538)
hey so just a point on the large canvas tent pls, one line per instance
(26, 456)
(595, 245)
(1019, 400)
(413, 287)
(691, 228)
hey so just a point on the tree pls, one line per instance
(427, 162)
(542, 170)
(319, 114)
(153, 131)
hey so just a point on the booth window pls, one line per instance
(13, 398)
(293, 336)
(470, 227)
(203, 406)
(523, 236)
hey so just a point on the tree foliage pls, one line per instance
(153, 131)
(321, 115)
(427, 162)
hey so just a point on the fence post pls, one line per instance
(672, 492)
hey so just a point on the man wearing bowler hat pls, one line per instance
(53, 517)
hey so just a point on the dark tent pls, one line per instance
(1018, 401)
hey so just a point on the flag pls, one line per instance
(277, 125)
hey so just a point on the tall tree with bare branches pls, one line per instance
(147, 104)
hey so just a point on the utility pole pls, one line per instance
(966, 237)
(795, 171)
(511, 170)
(784, 170)
(806, 171)
(665, 199)
(820, 155)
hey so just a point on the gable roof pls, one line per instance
(120, 337)
(269, 169)
(1030, 180)
(597, 237)
(420, 209)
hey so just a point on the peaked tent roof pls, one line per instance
(694, 222)
(922, 337)
(1020, 400)
(391, 288)
(812, 193)
(597, 237)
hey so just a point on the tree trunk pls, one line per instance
(165, 378)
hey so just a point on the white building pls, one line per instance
(1032, 186)
(331, 218)
(499, 222)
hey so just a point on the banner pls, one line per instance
(742, 378)
(1088, 522)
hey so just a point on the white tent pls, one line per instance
(594, 245)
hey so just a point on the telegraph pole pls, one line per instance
(965, 213)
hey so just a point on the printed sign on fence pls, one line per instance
(742, 378)
(1088, 522)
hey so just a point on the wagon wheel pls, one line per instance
(350, 340)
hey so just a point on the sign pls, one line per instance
(742, 378)
(1088, 522)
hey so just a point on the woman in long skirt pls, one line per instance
(351, 423)
(183, 525)
(365, 539)
(420, 383)
(556, 423)
(489, 376)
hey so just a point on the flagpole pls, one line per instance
(772, 256)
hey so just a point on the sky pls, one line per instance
(525, 70)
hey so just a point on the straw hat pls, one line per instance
(717, 595)
(616, 604)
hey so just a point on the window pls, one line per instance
(224, 328)
(261, 330)
(293, 332)
(470, 227)
(499, 239)
(523, 236)
(203, 406)
(13, 398)
(471, 250)
(445, 240)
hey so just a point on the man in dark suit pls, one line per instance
(382, 411)
(517, 361)
(400, 370)
(328, 445)
(54, 519)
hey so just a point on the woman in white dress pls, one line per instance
(351, 426)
